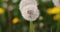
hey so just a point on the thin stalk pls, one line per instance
(31, 26)
(51, 29)
(9, 17)
(58, 24)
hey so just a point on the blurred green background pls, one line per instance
(44, 23)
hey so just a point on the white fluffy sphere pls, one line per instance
(30, 13)
(56, 2)
(29, 9)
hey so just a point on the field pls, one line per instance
(11, 19)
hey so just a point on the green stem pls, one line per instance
(0, 29)
(31, 26)
(51, 29)
(58, 24)
(58, 27)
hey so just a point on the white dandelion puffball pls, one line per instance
(27, 2)
(29, 9)
(56, 3)
(30, 13)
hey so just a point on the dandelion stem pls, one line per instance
(58, 27)
(9, 17)
(51, 29)
(31, 26)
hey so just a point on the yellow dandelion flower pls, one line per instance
(54, 10)
(49, 10)
(56, 17)
(1, 10)
(15, 20)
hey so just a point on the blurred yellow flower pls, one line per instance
(54, 10)
(56, 17)
(1, 10)
(49, 10)
(15, 20)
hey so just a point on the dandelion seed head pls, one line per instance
(29, 9)
(30, 13)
